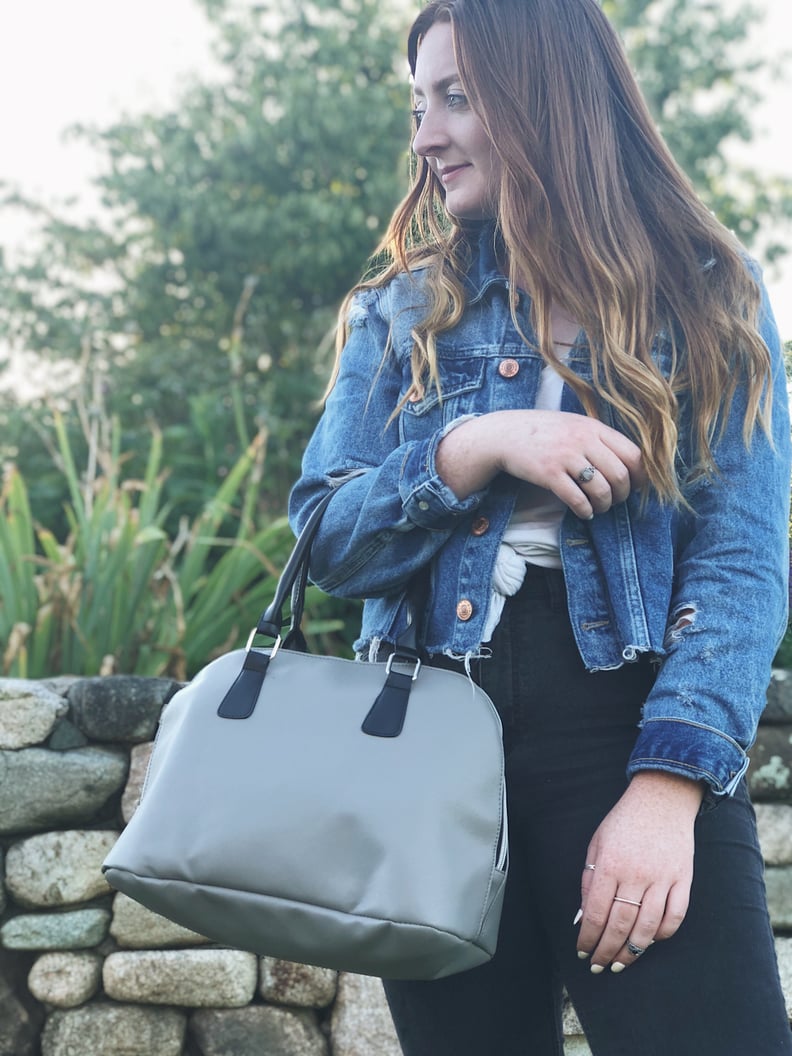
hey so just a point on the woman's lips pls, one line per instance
(450, 171)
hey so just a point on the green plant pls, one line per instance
(784, 655)
(117, 594)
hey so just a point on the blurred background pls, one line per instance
(187, 190)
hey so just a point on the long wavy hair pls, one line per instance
(595, 215)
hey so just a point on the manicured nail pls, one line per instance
(582, 955)
(597, 968)
(578, 917)
(617, 967)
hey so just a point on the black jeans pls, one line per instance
(711, 990)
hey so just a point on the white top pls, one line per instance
(532, 535)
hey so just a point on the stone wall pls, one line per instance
(88, 972)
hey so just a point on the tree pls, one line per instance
(237, 222)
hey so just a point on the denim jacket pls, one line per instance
(630, 572)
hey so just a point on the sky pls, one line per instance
(90, 61)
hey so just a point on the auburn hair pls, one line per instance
(593, 214)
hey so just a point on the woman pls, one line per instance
(564, 397)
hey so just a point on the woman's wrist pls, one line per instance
(466, 459)
(667, 786)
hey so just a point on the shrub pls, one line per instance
(118, 594)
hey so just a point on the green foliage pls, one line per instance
(120, 595)
(784, 654)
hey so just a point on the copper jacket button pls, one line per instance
(480, 526)
(507, 368)
(464, 609)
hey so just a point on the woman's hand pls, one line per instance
(587, 464)
(642, 853)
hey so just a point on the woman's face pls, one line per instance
(450, 135)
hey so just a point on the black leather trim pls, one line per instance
(386, 717)
(240, 700)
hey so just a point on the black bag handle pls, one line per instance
(387, 713)
(293, 581)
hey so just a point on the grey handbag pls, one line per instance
(326, 811)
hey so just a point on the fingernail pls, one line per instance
(597, 968)
(578, 917)
(617, 967)
(582, 955)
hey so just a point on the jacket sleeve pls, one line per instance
(730, 603)
(393, 512)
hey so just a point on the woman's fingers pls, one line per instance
(587, 464)
(635, 884)
(627, 929)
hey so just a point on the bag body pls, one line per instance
(294, 834)
(326, 811)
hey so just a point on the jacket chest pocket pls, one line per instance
(461, 383)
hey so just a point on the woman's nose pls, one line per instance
(431, 135)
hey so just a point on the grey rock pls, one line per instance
(40, 789)
(114, 1030)
(257, 1031)
(58, 868)
(570, 1022)
(784, 954)
(774, 822)
(28, 712)
(770, 771)
(361, 1023)
(65, 980)
(779, 697)
(576, 1045)
(66, 736)
(778, 880)
(137, 928)
(215, 978)
(79, 929)
(119, 708)
(60, 683)
(287, 983)
(138, 766)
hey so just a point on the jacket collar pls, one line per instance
(484, 270)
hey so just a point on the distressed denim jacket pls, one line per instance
(630, 572)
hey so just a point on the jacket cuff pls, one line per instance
(426, 499)
(690, 750)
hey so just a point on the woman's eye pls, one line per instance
(454, 100)
(418, 117)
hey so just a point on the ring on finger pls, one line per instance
(628, 901)
(588, 865)
(636, 951)
(586, 474)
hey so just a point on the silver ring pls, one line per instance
(629, 901)
(636, 951)
(587, 474)
(588, 865)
